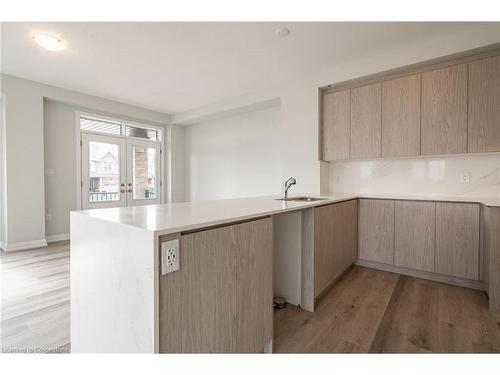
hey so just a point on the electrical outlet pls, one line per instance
(465, 178)
(169, 256)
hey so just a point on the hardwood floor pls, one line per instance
(367, 311)
(35, 300)
(371, 311)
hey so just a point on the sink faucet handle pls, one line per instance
(288, 184)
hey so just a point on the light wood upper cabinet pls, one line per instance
(457, 240)
(401, 116)
(484, 105)
(335, 242)
(376, 230)
(336, 127)
(444, 111)
(366, 129)
(436, 109)
(414, 235)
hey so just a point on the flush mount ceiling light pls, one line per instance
(282, 32)
(49, 42)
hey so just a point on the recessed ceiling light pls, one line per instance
(49, 42)
(282, 32)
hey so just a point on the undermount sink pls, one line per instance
(300, 199)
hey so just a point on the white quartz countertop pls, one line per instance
(178, 217)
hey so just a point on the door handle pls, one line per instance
(129, 184)
(122, 191)
(129, 190)
(122, 184)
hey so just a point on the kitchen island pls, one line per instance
(220, 299)
(199, 276)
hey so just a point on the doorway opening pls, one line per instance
(120, 163)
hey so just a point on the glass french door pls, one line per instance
(118, 172)
(143, 177)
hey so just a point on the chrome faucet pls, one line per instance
(288, 184)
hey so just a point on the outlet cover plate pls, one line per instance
(169, 256)
(465, 177)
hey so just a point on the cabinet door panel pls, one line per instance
(254, 285)
(366, 130)
(401, 116)
(376, 230)
(457, 239)
(491, 276)
(444, 111)
(336, 126)
(335, 242)
(220, 299)
(414, 237)
(484, 105)
(208, 291)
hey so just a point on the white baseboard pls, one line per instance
(16, 246)
(58, 237)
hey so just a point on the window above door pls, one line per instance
(110, 126)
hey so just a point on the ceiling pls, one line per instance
(174, 67)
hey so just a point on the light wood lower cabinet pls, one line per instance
(335, 242)
(457, 240)
(437, 237)
(414, 235)
(491, 244)
(254, 285)
(376, 230)
(220, 300)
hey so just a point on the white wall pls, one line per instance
(25, 201)
(3, 218)
(176, 165)
(235, 156)
(299, 138)
(32, 109)
(60, 156)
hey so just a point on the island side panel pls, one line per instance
(112, 287)
(307, 262)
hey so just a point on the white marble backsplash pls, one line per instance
(423, 176)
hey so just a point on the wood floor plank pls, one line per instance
(366, 311)
(346, 317)
(35, 308)
(380, 312)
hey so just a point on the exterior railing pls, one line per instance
(103, 197)
(113, 196)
